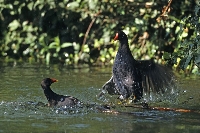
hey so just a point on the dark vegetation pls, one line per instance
(81, 31)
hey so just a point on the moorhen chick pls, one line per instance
(131, 77)
(56, 99)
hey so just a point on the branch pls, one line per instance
(145, 106)
(87, 32)
(165, 11)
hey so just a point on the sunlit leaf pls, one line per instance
(92, 4)
(14, 25)
(48, 57)
(57, 49)
(53, 45)
(73, 5)
(65, 45)
(86, 48)
(57, 40)
(30, 6)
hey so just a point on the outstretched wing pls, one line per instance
(155, 77)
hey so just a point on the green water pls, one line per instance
(22, 103)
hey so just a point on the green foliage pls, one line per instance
(186, 55)
(81, 31)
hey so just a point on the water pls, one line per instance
(23, 109)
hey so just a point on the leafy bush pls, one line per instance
(186, 55)
(81, 31)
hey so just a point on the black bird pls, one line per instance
(131, 77)
(56, 99)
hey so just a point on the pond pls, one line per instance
(23, 104)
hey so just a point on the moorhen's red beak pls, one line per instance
(116, 37)
(54, 80)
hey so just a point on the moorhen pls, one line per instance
(131, 77)
(56, 99)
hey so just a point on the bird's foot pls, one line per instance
(124, 101)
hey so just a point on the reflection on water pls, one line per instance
(23, 104)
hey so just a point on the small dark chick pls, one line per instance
(56, 99)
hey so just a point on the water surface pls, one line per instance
(22, 103)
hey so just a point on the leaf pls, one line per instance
(86, 49)
(92, 4)
(14, 25)
(48, 58)
(73, 5)
(30, 6)
(187, 61)
(166, 56)
(67, 44)
(57, 40)
(57, 49)
(52, 45)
